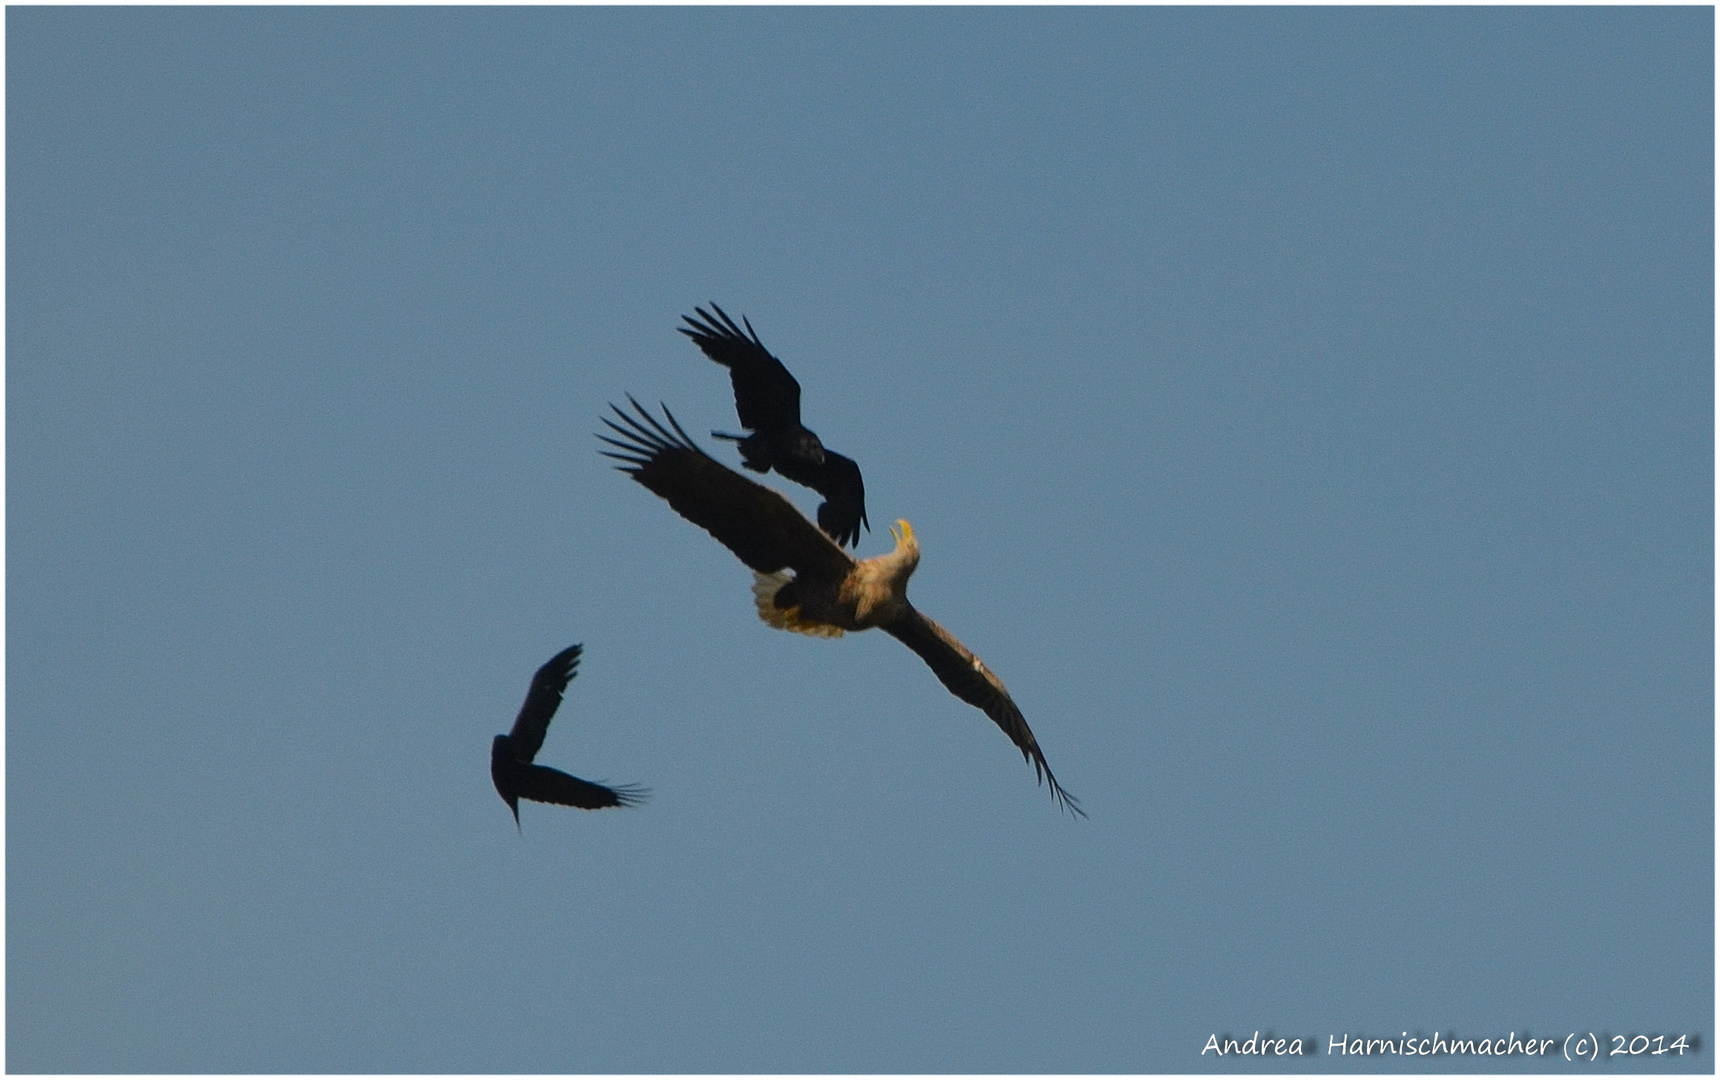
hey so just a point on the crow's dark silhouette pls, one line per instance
(511, 754)
(767, 399)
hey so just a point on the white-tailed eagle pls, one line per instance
(804, 580)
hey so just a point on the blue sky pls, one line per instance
(1308, 414)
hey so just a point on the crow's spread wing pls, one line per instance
(540, 783)
(541, 702)
(757, 524)
(967, 677)
(844, 508)
(767, 397)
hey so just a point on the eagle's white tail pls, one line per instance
(764, 590)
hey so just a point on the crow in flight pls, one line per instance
(767, 398)
(511, 754)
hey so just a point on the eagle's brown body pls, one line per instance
(873, 593)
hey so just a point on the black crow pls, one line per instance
(511, 754)
(767, 398)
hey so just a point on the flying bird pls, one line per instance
(829, 592)
(511, 755)
(767, 398)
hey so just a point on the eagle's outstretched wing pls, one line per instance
(967, 677)
(540, 783)
(757, 524)
(767, 397)
(541, 702)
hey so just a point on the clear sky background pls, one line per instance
(1308, 413)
